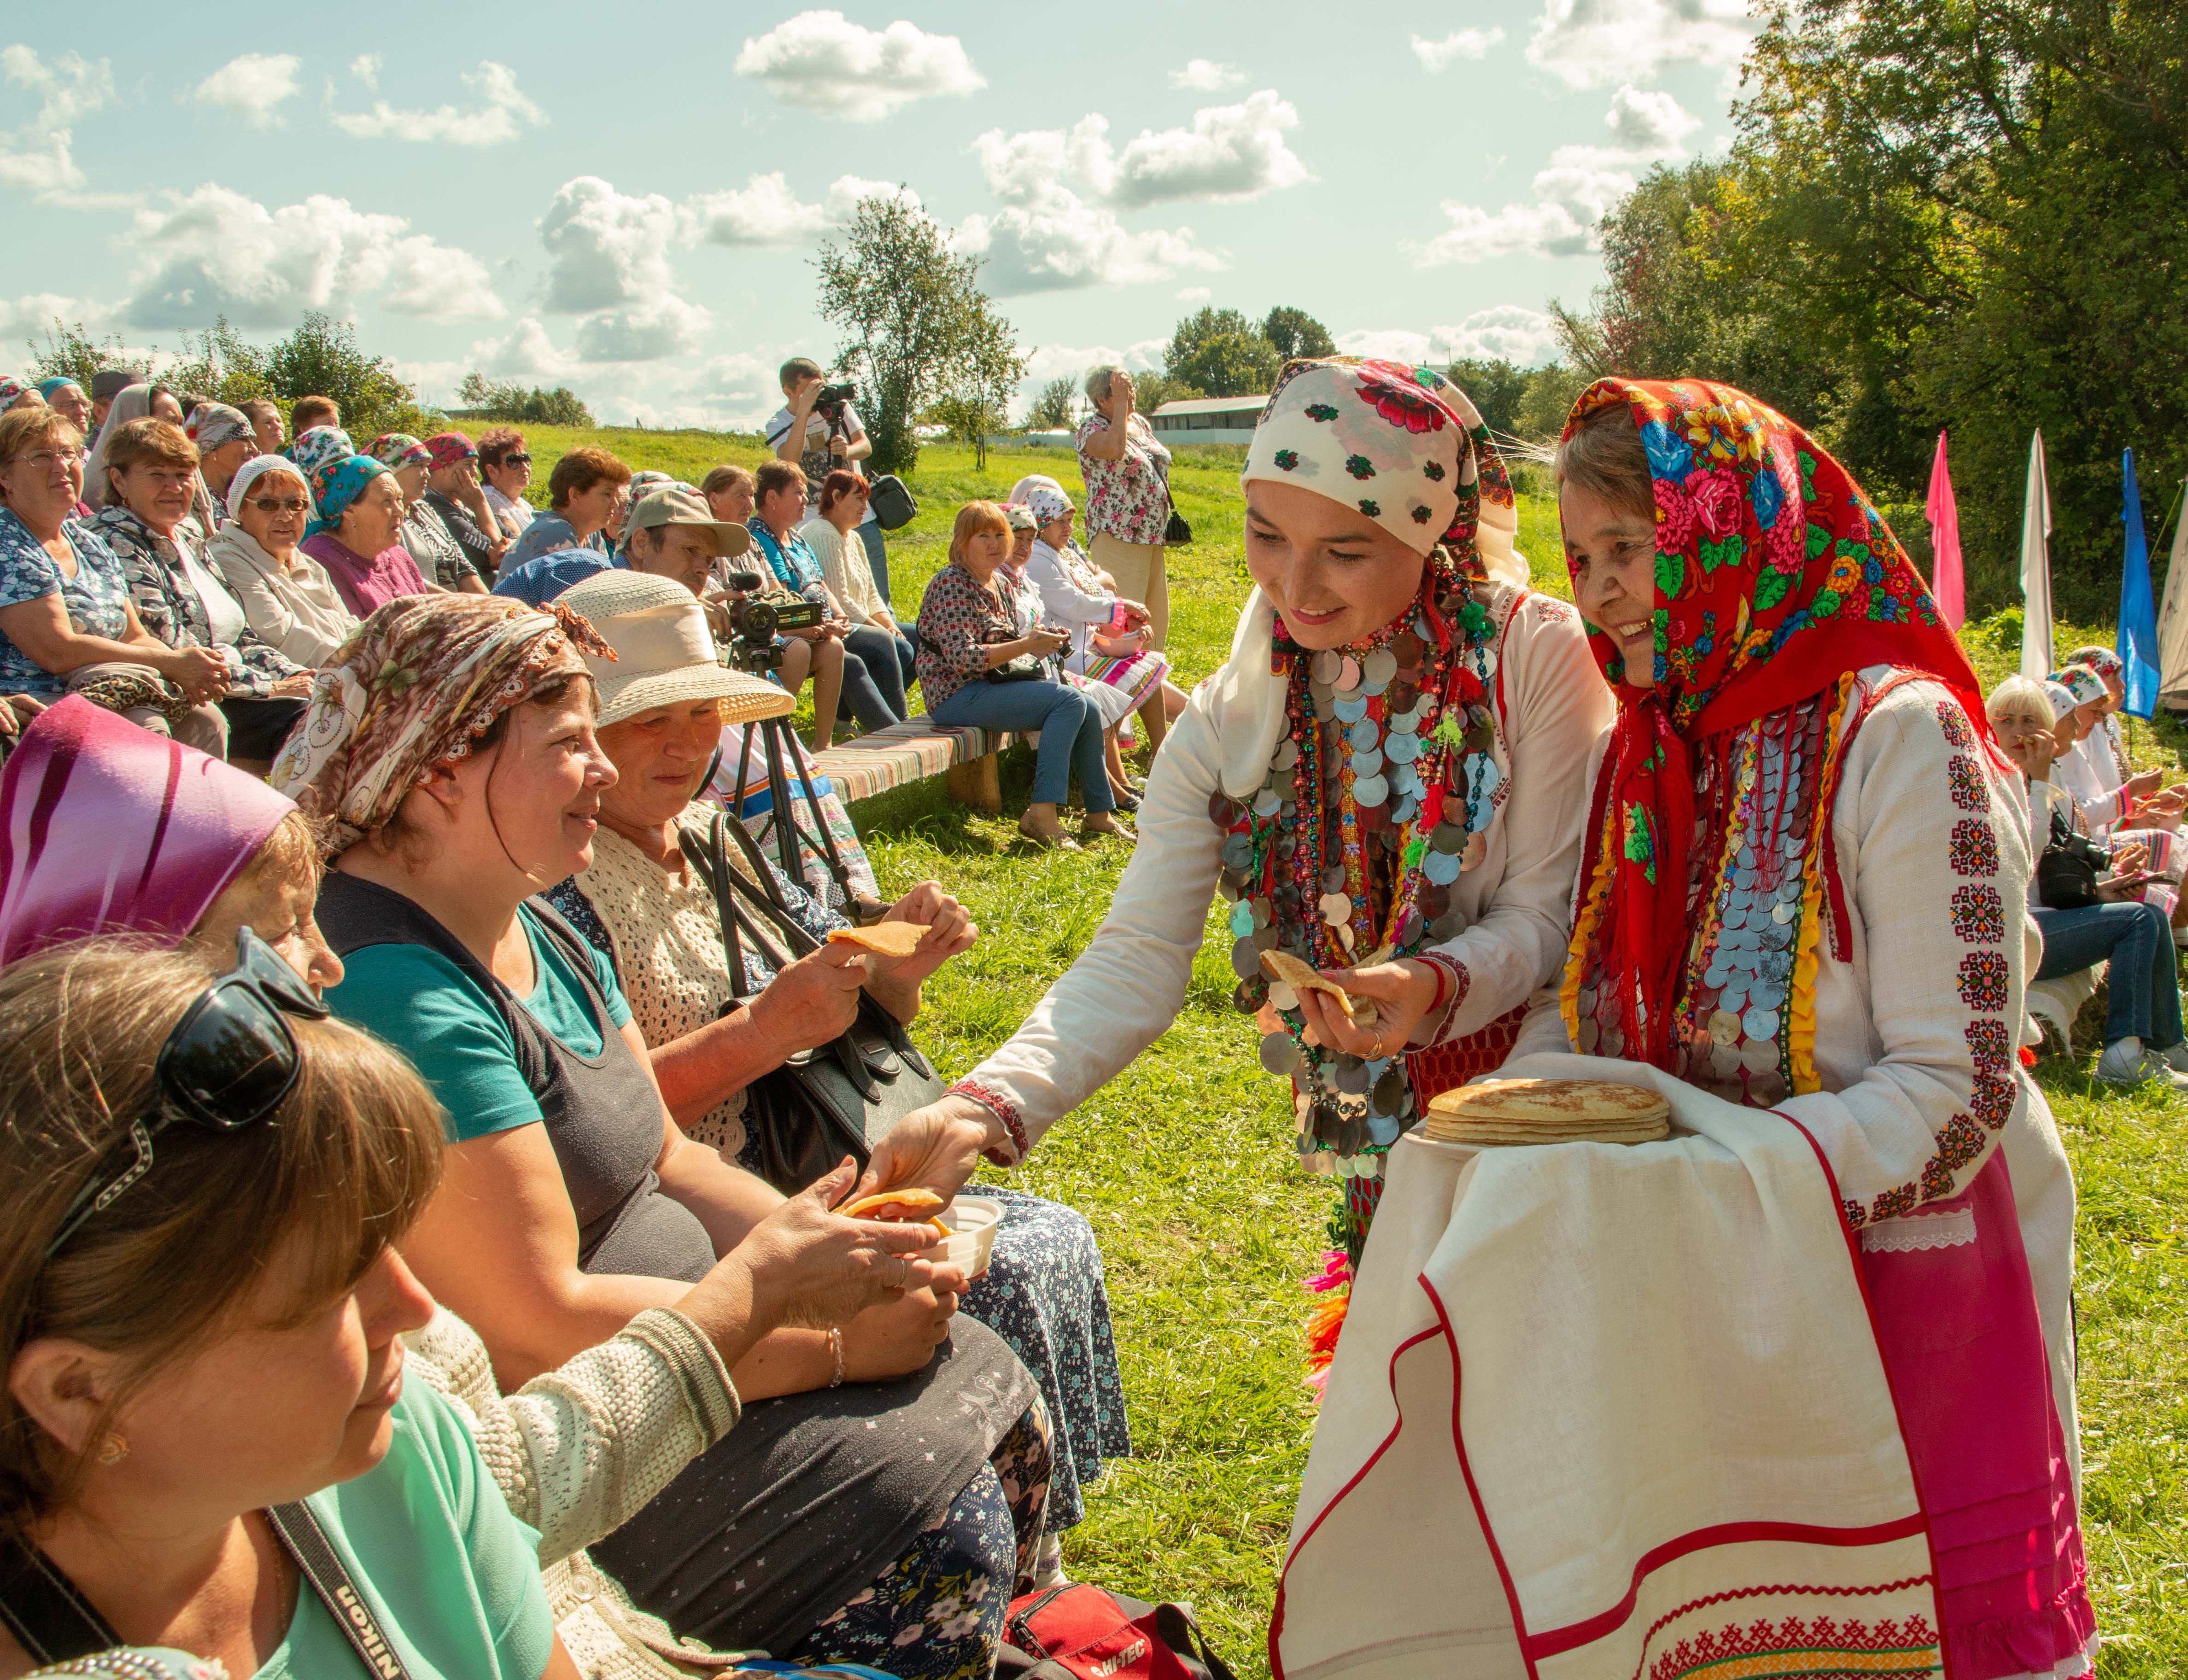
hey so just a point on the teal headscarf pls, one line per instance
(48, 387)
(335, 484)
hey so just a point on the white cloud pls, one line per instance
(1230, 152)
(1572, 191)
(1205, 75)
(366, 67)
(1065, 242)
(496, 113)
(1590, 43)
(37, 156)
(25, 317)
(1525, 337)
(253, 86)
(215, 251)
(68, 88)
(733, 389)
(608, 253)
(1193, 294)
(765, 211)
(823, 62)
(1461, 44)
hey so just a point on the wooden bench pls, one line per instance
(912, 750)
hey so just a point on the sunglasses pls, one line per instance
(230, 1062)
(268, 504)
(518, 460)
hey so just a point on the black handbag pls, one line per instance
(1025, 668)
(840, 1098)
(2066, 873)
(894, 506)
(1177, 534)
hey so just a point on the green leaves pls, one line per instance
(1715, 555)
(1671, 574)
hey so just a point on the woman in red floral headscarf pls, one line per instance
(1805, 889)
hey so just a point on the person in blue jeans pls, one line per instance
(2143, 1038)
(976, 618)
(873, 681)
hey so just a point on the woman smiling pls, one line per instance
(289, 601)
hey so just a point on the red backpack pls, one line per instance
(1076, 1631)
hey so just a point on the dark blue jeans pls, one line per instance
(876, 559)
(887, 661)
(2143, 997)
(1070, 734)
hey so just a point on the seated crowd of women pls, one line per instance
(665, 1409)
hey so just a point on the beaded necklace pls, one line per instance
(1376, 800)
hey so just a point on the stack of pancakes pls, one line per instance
(1547, 1111)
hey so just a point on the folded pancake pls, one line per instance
(1523, 1112)
(890, 938)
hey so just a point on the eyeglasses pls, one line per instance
(519, 458)
(46, 459)
(268, 504)
(230, 1062)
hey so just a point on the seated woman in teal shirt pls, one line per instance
(204, 1370)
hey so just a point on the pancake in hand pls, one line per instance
(906, 1206)
(1285, 967)
(1525, 1112)
(890, 938)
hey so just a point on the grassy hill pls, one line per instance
(1184, 1164)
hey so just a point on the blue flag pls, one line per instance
(2137, 642)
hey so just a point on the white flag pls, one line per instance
(2173, 618)
(2036, 568)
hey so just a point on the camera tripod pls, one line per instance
(779, 747)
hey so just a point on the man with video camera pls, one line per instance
(817, 431)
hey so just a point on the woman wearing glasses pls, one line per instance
(66, 622)
(287, 597)
(224, 858)
(507, 466)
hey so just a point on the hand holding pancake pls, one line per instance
(1370, 1011)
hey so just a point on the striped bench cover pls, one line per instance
(903, 753)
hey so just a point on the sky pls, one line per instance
(631, 208)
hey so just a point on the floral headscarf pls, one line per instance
(2101, 660)
(10, 389)
(2083, 684)
(418, 683)
(335, 484)
(318, 445)
(450, 448)
(394, 449)
(214, 424)
(1776, 579)
(1046, 503)
(1020, 516)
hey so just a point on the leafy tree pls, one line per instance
(1054, 405)
(1494, 386)
(1295, 333)
(321, 358)
(220, 364)
(1150, 391)
(977, 386)
(1540, 413)
(513, 405)
(70, 352)
(911, 310)
(1220, 353)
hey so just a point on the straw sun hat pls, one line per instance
(663, 652)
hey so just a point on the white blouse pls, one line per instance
(844, 564)
(1128, 985)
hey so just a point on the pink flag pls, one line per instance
(1945, 543)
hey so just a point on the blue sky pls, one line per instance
(631, 209)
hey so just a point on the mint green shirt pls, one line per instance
(452, 1576)
(422, 1004)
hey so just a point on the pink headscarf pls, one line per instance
(107, 828)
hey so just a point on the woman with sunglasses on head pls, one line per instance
(287, 598)
(66, 620)
(582, 1448)
(452, 754)
(505, 464)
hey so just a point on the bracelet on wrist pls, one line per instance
(835, 1347)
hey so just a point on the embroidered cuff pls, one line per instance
(1454, 982)
(1003, 1110)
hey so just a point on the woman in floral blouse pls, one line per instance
(1127, 473)
(151, 469)
(968, 629)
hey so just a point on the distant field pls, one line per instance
(1184, 1165)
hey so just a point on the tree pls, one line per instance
(1054, 405)
(321, 358)
(1540, 413)
(978, 386)
(69, 352)
(1295, 333)
(1221, 353)
(220, 365)
(910, 309)
(1494, 386)
(513, 405)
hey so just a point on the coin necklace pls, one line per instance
(1376, 800)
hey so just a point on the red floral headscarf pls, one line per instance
(1774, 578)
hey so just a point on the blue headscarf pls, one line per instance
(335, 484)
(48, 387)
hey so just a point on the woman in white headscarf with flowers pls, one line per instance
(1380, 780)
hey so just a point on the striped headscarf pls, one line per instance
(416, 685)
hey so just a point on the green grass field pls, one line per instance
(1184, 1164)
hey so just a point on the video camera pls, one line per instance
(754, 623)
(829, 402)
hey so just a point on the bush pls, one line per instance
(513, 405)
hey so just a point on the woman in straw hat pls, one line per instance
(451, 753)
(1378, 780)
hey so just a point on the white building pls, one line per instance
(1208, 420)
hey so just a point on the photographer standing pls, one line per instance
(819, 431)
